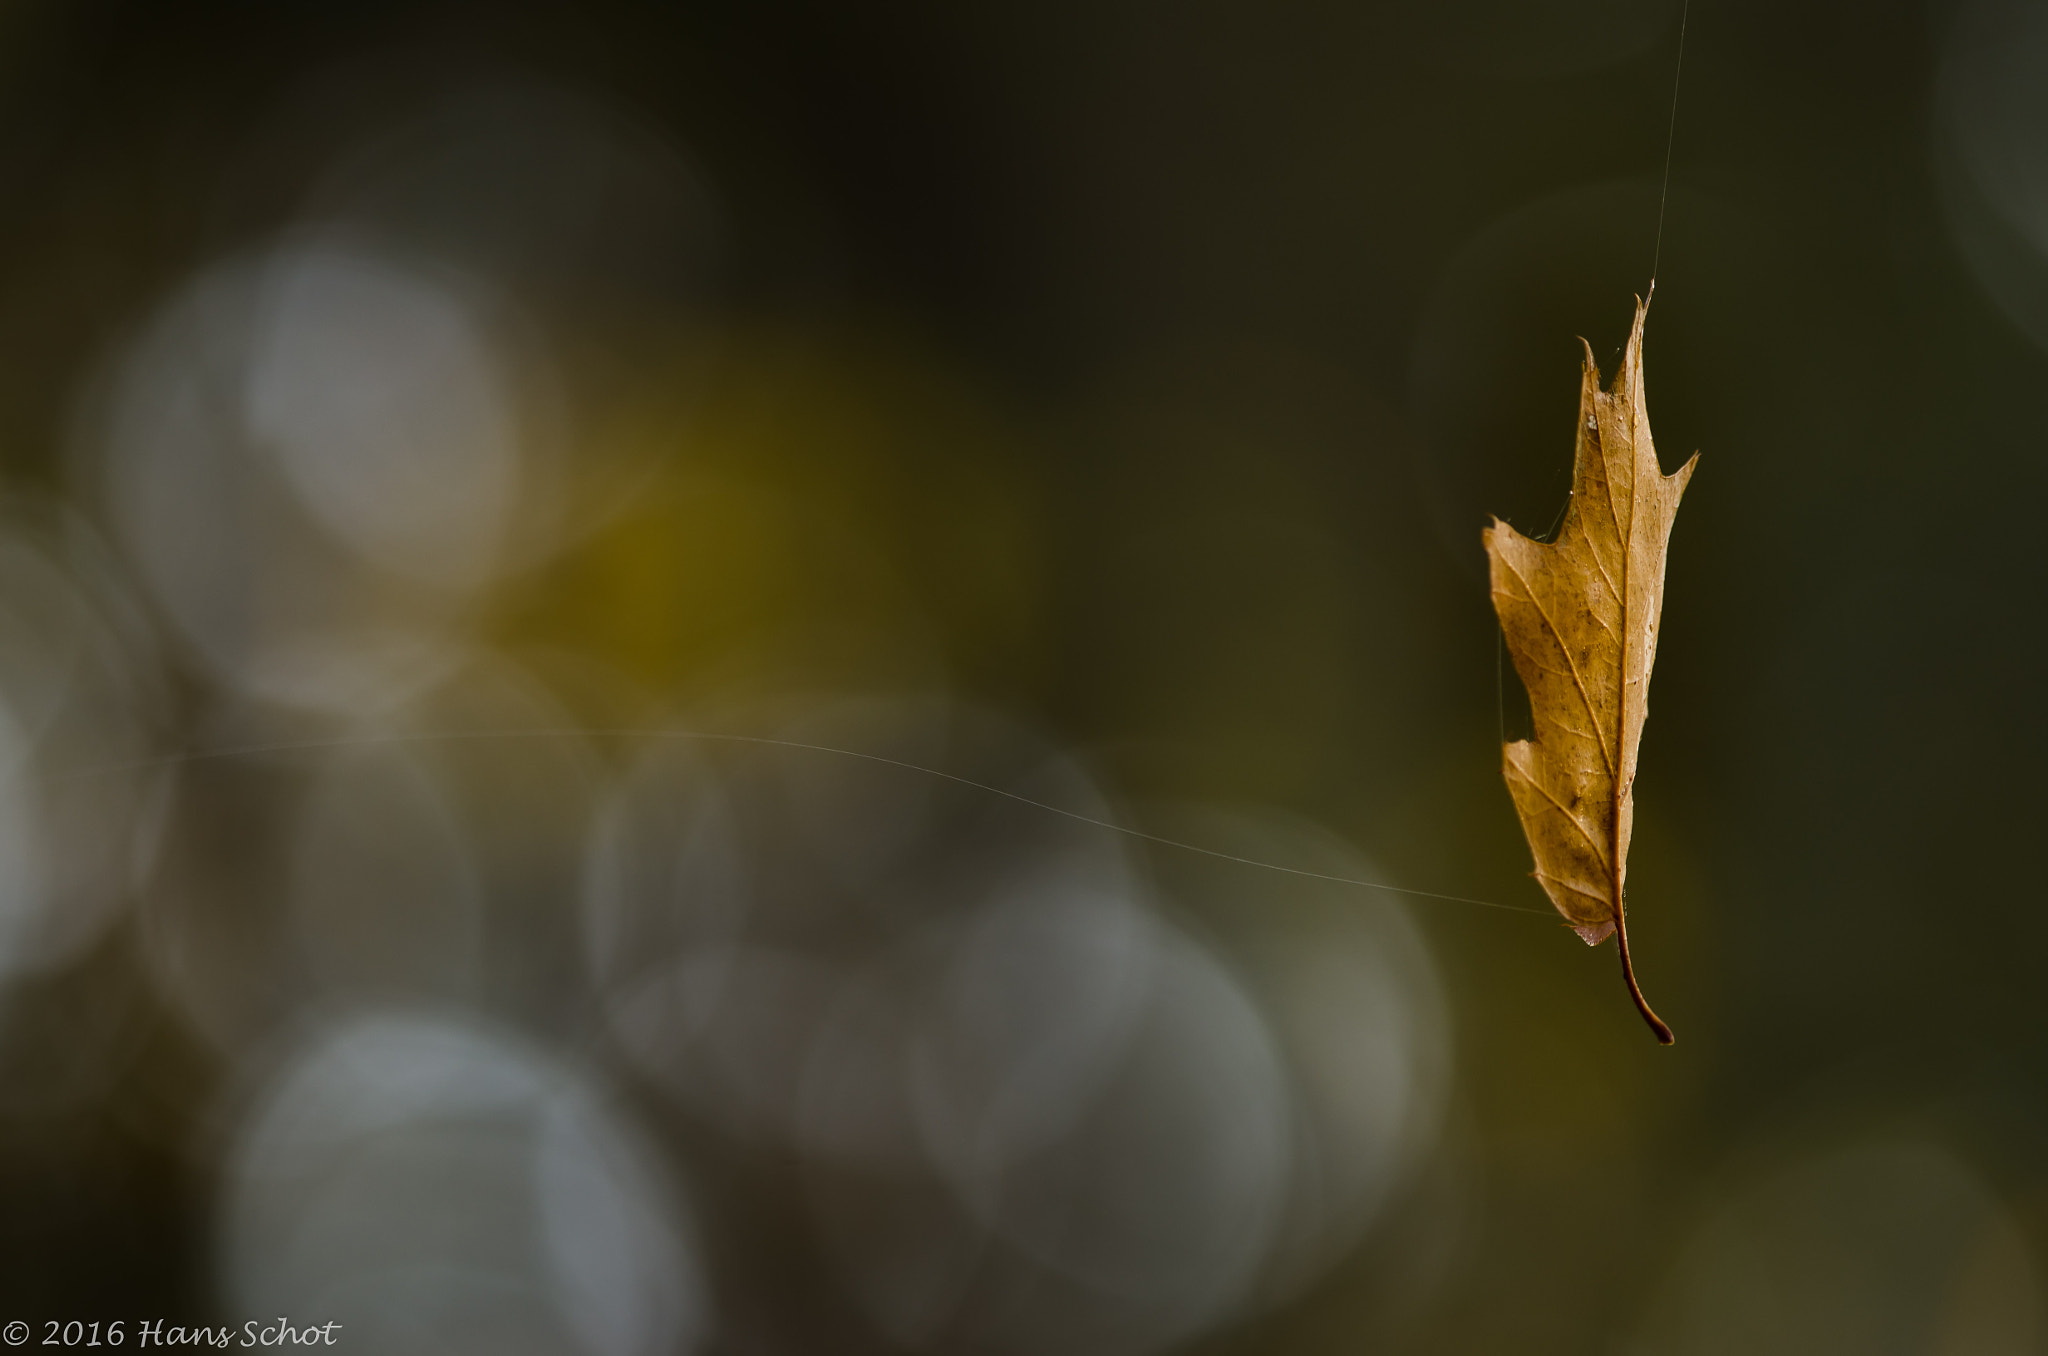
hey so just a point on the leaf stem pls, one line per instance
(1628, 972)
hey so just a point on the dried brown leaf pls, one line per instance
(1580, 615)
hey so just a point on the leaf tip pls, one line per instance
(1683, 475)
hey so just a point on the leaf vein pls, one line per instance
(1578, 679)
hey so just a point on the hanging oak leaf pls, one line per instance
(1580, 617)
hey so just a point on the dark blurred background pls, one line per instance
(416, 417)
